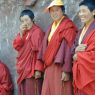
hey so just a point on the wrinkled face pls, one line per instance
(85, 14)
(26, 22)
(56, 13)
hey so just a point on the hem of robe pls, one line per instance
(52, 84)
(30, 87)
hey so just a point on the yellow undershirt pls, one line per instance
(82, 35)
(84, 31)
(53, 28)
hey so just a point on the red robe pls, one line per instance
(28, 48)
(55, 56)
(84, 67)
(6, 86)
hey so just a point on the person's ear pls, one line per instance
(93, 12)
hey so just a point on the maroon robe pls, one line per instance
(61, 59)
(84, 67)
(6, 86)
(28, 48)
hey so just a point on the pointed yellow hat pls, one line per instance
(55, 3)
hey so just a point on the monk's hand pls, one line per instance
(74, 57)
(81, 47)
(37, 74)
(65, 76)
(23, 28)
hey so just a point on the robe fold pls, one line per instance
(84, 66)
(28, 48)
(55, 57)
(6, 86)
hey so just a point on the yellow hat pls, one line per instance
(55, 3)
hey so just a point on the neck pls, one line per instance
(89, 22)
(57, 21)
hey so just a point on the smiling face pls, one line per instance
(85, 14)
(26, 22)
(56, 13)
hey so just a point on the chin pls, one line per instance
(83, 21)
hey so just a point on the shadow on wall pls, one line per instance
(9, 25)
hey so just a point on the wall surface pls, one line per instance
(9, 25)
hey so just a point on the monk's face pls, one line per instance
(56, 13)
(85, 14)
(26, 22)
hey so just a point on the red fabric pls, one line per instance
(84, 67)
(52, 84)
(63, 31)
(79, 92)
(18, 43)
(6, 85)
(39, 66)
(30, 87)
(27, 48)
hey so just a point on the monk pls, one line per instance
(27, 44)
(6, 85)
(55, 56)
(84, 51)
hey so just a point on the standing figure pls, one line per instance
(55, 54)
(6, 85)
(84, 51)
(27, 44)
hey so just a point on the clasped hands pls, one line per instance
(80, 48)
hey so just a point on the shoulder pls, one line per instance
(38, 31)
(3, 67)
(37, 28)
(68, 23)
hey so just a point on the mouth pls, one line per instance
(25, 26)
(82, 18)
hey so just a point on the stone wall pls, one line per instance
(9, 25)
